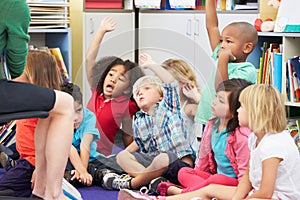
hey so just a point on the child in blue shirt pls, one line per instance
(84, 147)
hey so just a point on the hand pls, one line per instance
(226, 53)
(32, 179)
(108, 24)
(85, 178)
(191, 92)
(75, 174)
(146, 60)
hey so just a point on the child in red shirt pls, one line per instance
(111, 80)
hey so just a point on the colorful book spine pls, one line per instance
(278, 71)
(60, 63)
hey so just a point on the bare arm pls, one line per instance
(127, 132)
(212, 23)
(85, 147)
(108, 24)
(244, 186)
(132, 147)
(76, 162)
(222, 68)
(159, 71)
(269, 173)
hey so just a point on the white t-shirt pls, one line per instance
(280, 145)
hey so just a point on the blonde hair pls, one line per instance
(41, 69)
(265, 107)
(181, 71)
(148, 80)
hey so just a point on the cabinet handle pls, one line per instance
(197, 27)
(189, 27)
(92, 25)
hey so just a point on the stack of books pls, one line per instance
(49, 13)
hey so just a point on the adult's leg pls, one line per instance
(53, 137)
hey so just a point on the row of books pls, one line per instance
(8, 133)
(270, 71)
(49, 14)
(270, 65)
(293, 79)
(193, 4)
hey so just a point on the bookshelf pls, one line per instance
(54, 38)
(290, 48)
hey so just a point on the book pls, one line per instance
(262, 60)
(296, 77)
(60, 63)
(296, 65)
(291, 81)
(278, 71)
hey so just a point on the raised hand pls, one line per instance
(191, 92)
(108, 24)
(146, 60)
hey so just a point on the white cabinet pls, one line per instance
(182, 35)
(120, 42)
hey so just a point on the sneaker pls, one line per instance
(99, 174)
(113, 181)
(126, 194)
(6, 161)
(68, 175)
(154, 183)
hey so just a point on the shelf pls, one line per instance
(47, 30)
(295, 104)
(278, 34)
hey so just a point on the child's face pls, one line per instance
(220, 105)
(116, 82)
(231, 41)
(147, 96)
(78, 117)
(243, 116)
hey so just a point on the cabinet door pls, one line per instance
(166, 36)
(119, 42)
(203, 63)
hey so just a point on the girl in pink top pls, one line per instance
(111, 80)
(224, 152)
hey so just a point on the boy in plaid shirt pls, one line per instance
(158, 129)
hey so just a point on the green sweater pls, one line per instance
(14, 23)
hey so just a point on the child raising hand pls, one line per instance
(231, 48)
(111, 80)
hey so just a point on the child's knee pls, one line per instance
(161, 161)
(123, 156)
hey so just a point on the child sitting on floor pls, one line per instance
(158, 128)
